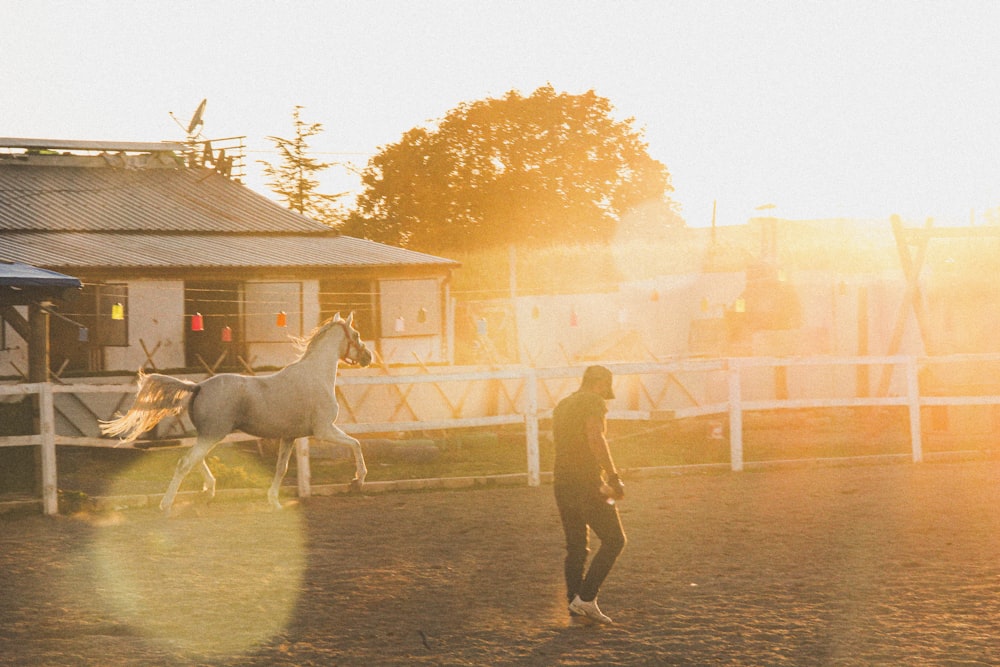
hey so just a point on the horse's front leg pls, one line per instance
(280, 469)
(332, 433)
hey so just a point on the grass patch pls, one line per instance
(768, 436)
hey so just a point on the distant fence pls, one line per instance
(654, 391)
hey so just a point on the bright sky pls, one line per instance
(826, 109)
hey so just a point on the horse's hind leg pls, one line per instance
(284, 454)
(194, 457)
(208, 485)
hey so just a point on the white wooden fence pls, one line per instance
(648, 392)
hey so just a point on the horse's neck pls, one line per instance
(320, 364)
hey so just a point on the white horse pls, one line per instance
(296, 402)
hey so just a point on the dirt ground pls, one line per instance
(808, 565)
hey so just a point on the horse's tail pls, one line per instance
(159, 396)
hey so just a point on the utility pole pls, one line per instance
(714, 202)
(512, 273)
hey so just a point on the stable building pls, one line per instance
(183, 267)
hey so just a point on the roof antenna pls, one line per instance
(193, 131)
(193, 128)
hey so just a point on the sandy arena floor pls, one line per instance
(812, 565)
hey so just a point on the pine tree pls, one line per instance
(294, 179)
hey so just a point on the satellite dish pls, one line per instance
(196, 120)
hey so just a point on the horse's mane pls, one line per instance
(305, 343)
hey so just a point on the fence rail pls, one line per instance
(670, 398)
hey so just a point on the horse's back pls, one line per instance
(263, 406)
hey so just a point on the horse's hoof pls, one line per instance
(356, 486)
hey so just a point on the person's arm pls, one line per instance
(596, 428)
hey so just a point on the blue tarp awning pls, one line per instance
(23, 283)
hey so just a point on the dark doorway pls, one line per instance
(214, 324)
(80, 331)
(346, 296)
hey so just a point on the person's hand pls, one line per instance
(617, 486)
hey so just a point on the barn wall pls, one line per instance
(302, 317)
(685, 316)
(643, 320)
(412, 320)
(156, 318)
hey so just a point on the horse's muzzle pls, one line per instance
(364, 358)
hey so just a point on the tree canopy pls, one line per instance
(547, 167)
(294, 178)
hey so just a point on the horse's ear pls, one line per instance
(350, 318)
(336, 316)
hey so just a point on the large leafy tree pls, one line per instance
(294, 178)
(547, 167)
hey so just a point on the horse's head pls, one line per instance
(340, 332)
(353, 350)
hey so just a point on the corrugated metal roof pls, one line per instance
(77, 250)
(100, 217)
(159, 199)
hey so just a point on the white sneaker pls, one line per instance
(589, 610)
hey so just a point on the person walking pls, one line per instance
(586, 486)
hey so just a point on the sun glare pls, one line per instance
(217, 580)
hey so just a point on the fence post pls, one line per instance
(302, 471)
(735, 417)
(47, 433)
(913, 401)
(531, 427)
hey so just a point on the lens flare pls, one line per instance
(217, 580)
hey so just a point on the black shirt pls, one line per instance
(575, 464)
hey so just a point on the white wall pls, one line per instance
(155, 317)
(554, 330)
(412, 321)
(302, 318)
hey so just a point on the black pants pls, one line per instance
(578, 512)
